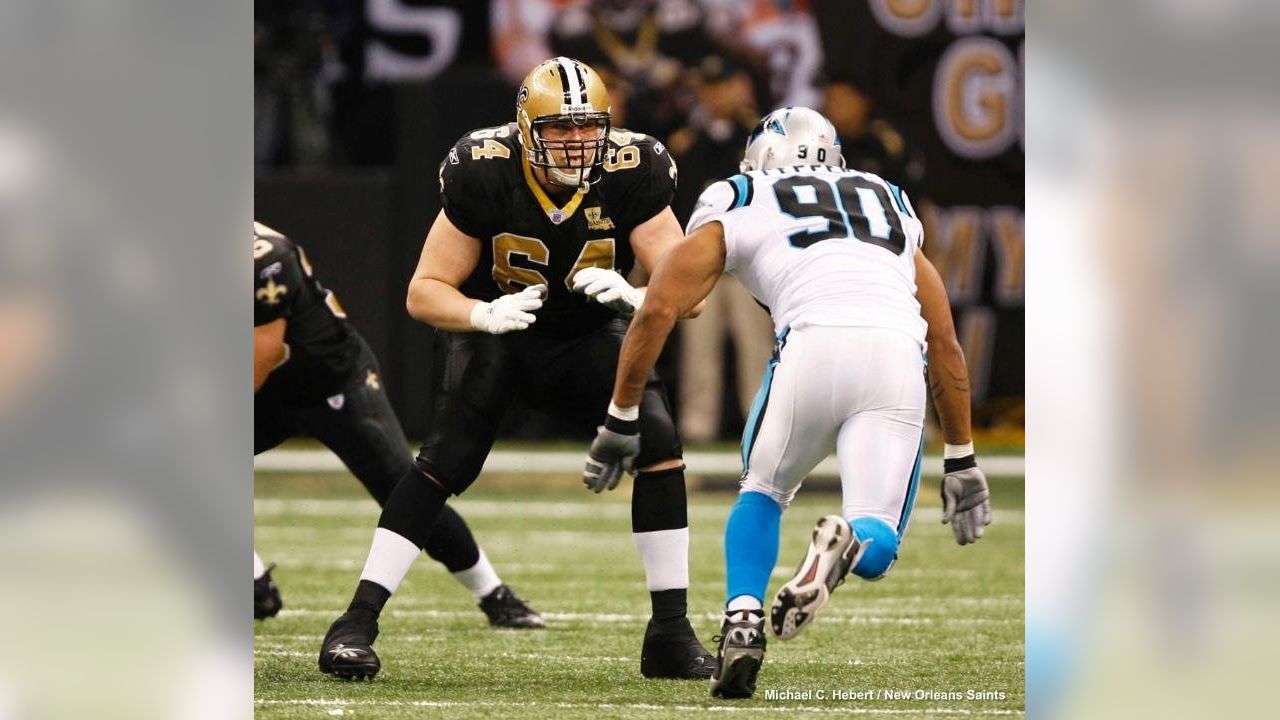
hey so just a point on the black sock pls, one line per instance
(410, 512)
(370, 597)
(669, 604)
(451, 542)
(659, 506)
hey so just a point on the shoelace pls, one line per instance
(747, 617)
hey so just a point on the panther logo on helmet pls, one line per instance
(563, 114)
(792, 136)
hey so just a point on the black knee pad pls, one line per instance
(659, 440)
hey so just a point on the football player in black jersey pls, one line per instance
(313, 375)
(523, 274)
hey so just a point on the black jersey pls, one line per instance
(322, 348)
(526, 237)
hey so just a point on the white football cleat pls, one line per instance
(831, 554)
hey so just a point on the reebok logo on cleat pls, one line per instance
(342, 652)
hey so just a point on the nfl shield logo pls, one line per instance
(336, 401)
(557, 216)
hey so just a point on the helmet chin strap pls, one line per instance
(571, 178)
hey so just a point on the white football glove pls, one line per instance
(509, 312)
(608, 288)
(966, 503)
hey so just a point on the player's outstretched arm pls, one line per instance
(268, 350)
(948, 374)
(965, 496)
(448, 258)
(682, 280)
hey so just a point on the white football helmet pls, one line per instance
(792, 136)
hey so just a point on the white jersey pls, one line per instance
(820, 245)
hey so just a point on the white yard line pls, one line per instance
(276, 652)
(571, 510)
(525, 462)
(616, 618)
(782, 707)
(279, 648)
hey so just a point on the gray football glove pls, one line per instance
(611, 453)
(966, 503)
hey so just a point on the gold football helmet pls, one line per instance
(563, 114)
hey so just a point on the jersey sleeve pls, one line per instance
(467, 184)
(720, 202)
(647, 174)
(278, 278)
(911, 224)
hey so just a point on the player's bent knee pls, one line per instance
(880, 541)
(428, 474)
(752, 484)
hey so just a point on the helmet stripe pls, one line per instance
(582, 79)
(569, 80)
(564, 82)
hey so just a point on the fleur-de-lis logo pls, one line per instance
(595, 222)
(371, 379)
(271, 292)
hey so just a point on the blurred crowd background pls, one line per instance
(357, 101)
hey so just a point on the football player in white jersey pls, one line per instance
(834, 254)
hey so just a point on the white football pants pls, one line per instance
(861, 390)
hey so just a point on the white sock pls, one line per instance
(481, 579)
(390, 558)
(743, 602)
(665, 554)
(258, 568)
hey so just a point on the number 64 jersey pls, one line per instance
(820, 245)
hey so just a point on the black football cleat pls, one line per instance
(347, 651)
(266, 596)
(505, 609)
(671, 650)
(741, 653)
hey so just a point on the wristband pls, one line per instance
(957, 451)
(624, 413)
(624, 421)
(622, 427)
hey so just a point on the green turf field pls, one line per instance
(946, 620)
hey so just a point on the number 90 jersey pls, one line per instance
(488, 191)
(820, 245)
